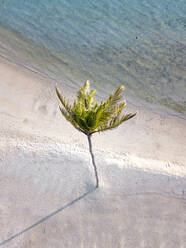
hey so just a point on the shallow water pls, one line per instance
(138, 43)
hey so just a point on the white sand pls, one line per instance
(45, 166)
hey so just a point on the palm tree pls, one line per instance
(89, 117)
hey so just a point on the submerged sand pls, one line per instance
(47, 194)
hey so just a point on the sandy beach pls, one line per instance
(47, 193)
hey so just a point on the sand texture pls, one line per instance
(47, 193)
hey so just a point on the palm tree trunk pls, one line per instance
(93, 160)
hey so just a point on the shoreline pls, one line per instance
(134, 101)
(175, 106)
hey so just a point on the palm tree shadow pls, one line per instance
(48, 216)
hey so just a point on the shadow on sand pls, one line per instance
(145, 194)
(48, 216)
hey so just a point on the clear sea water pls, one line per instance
(138, 43)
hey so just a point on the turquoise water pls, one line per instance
(138, 43)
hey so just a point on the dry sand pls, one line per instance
(47, 194)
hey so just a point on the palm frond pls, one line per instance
(116, 123)
(70, 119)
(88, 117)
(64, 102)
